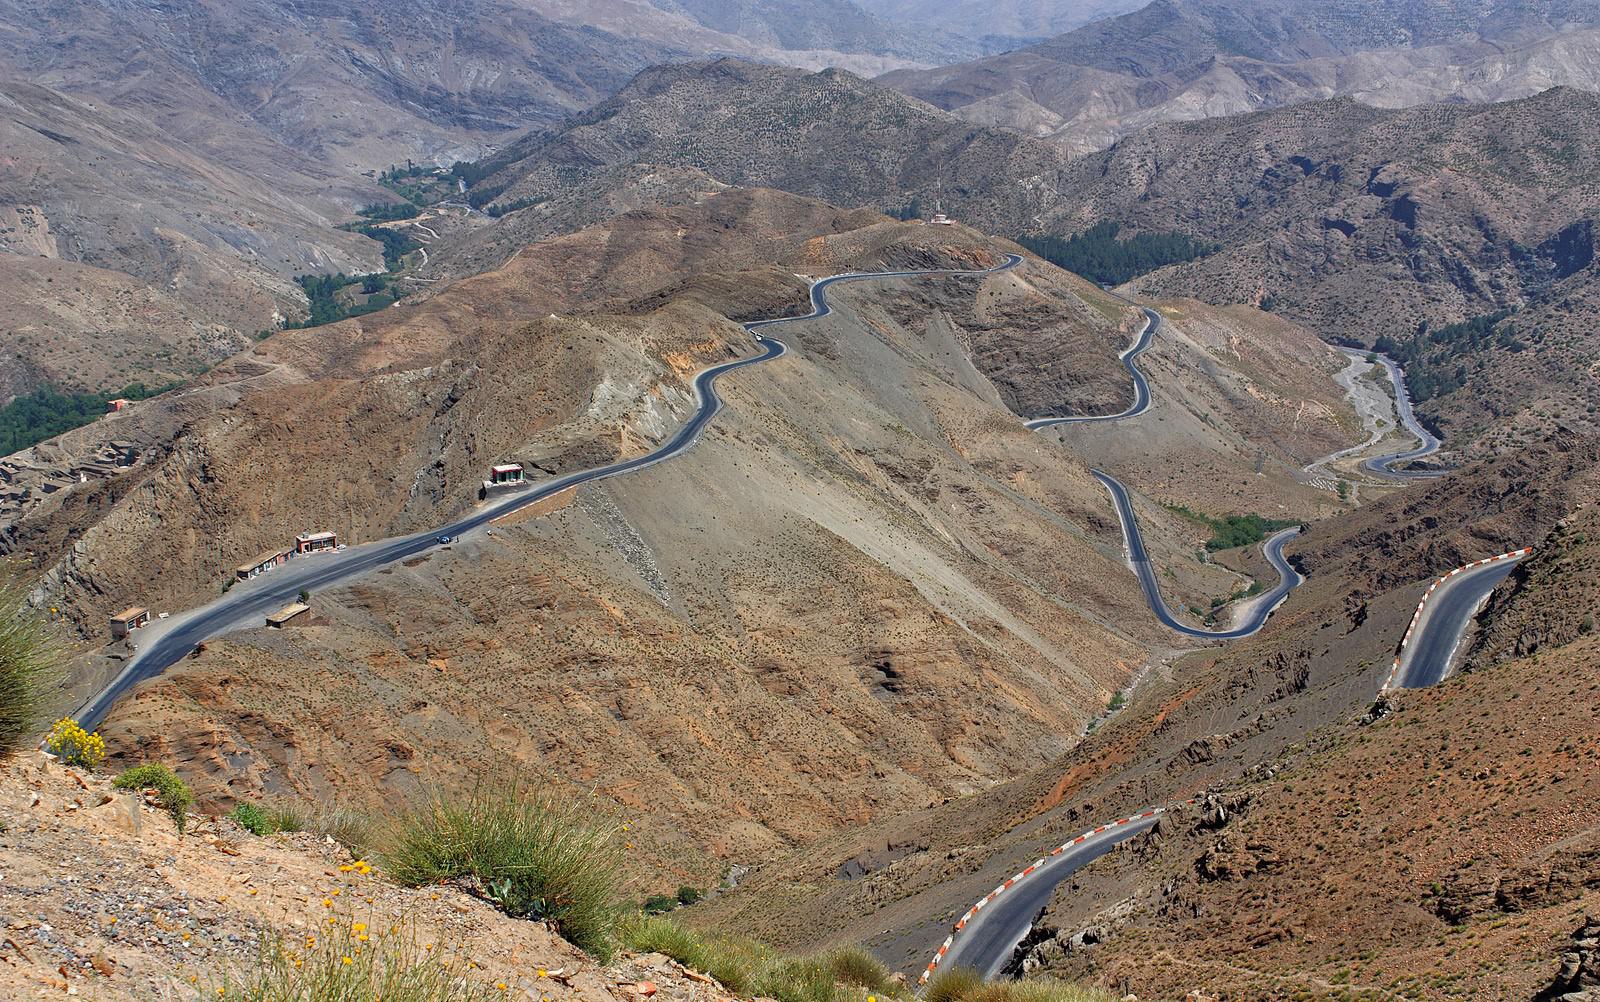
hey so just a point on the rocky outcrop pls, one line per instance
(1578, 980)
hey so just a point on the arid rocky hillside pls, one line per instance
(1181, 60)
(1362, 223)
(867, 561)
(128, 254)
(828, 135)
(1006, 23)
(1277, 717)
(104, 899)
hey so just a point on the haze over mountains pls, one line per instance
(919, 588)
(1178, 60)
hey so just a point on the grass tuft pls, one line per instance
(535, 856)
(853, 965)
(30, 670)
(962, 984)
(751, 969)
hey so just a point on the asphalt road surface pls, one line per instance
(1427, 657)
(245, 605)
(990, 938)
(1384, 466)
(1288, 578)
(1141, 385)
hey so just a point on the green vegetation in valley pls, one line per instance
(1232, 531)
(388, 212)
(1099, 256)
(330, 300)
(1435, 359)
(30, 669)
(496, 211)
(48, 412)
(659, 904)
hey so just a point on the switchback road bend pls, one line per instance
(166, 642)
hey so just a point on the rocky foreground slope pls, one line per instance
(103, 899)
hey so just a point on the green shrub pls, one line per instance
(960, 984)
(252, 818)
(536, 856)
(171, 792)
(657, 904)
(688, 895)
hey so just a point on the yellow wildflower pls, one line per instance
(346, 960)
(359, 927)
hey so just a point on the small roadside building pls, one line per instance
(128, 620)
(315, 542)
(505, 473)
(288, 614)
(262, 563)
(112, 406)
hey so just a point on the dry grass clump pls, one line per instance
(30, 669)
(751, 969)
(346, 962)
(962, 984)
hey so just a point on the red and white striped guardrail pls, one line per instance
(972, 913)
(1416, 617)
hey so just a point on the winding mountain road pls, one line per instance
(1255, 616)
(1383, 466)
(166, 642)
(1141, 385)
(986, 939)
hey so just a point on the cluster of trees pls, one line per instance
(327, 305)
(47, 412)
(1242, 530)
(396, 244)
(496, 211)
(389, 212)
(1435, 358)
(1098, 255)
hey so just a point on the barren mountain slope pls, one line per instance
(867, 565)
(1196, 722)
(111, 229)
(828, 135)
(1178, 60)
(1242, 401)
(1448, 851)
(361, 86)
(1361, 223)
